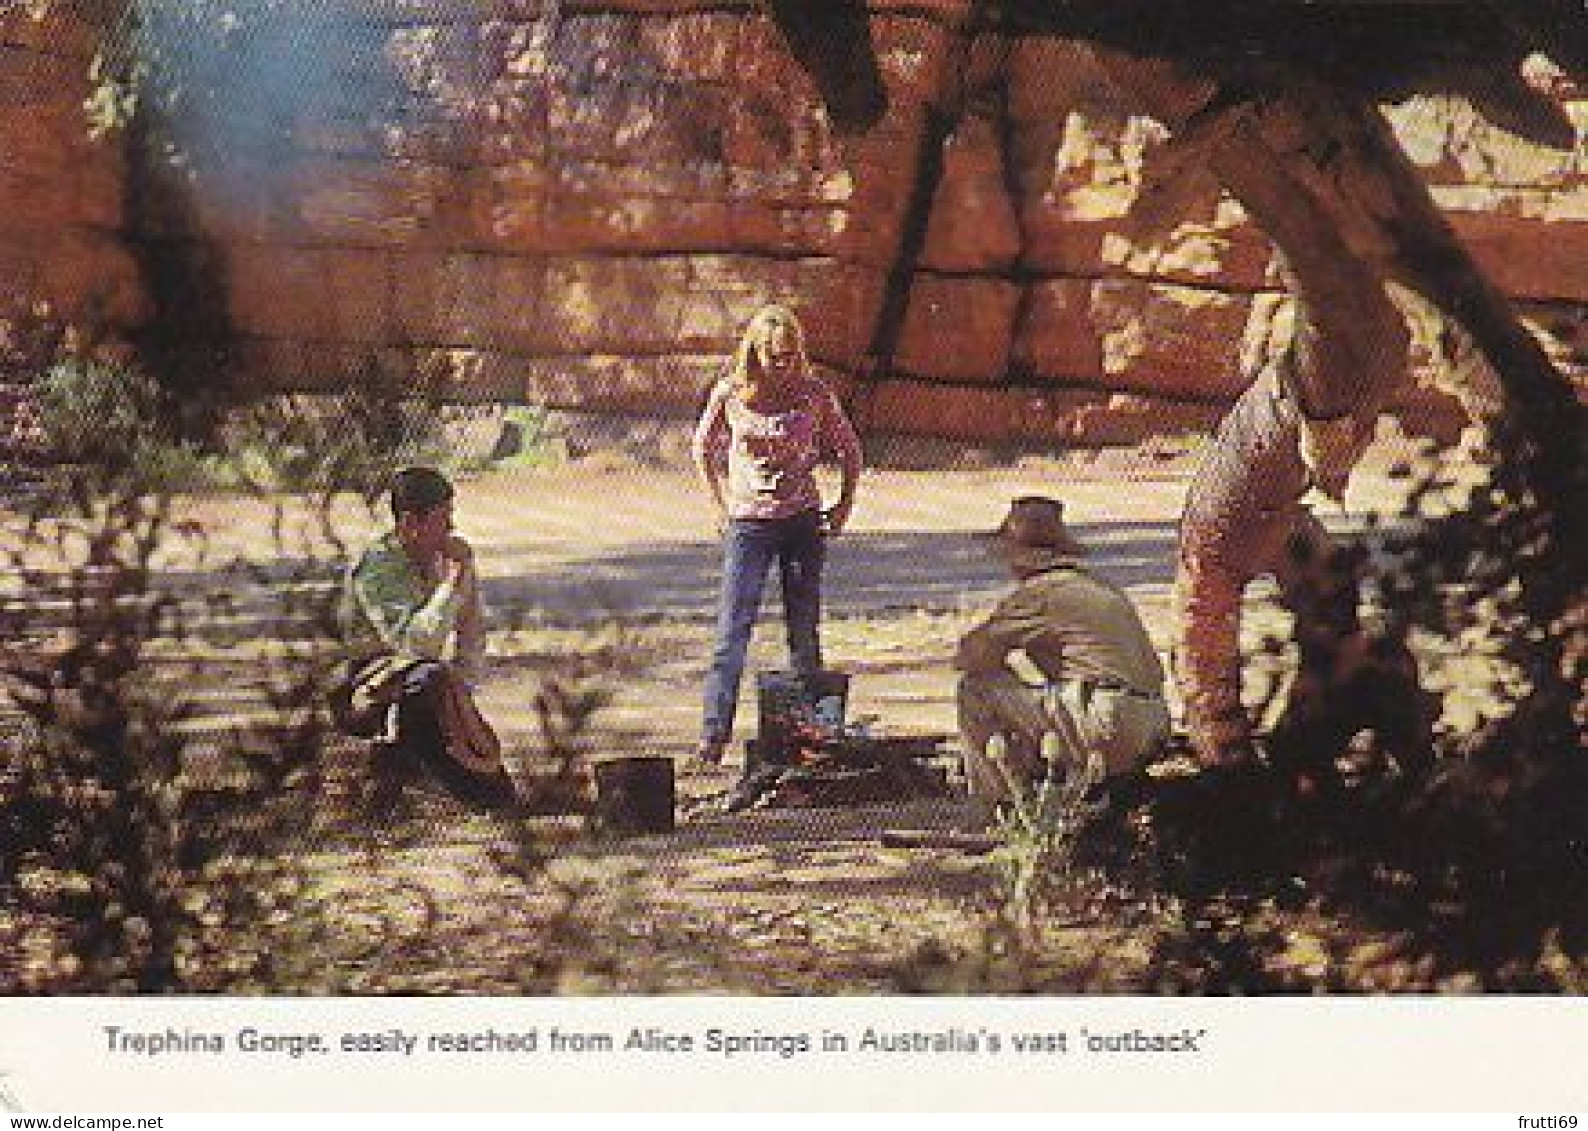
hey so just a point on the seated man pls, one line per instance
(416, 638)
(1100, 707)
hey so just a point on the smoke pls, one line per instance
(235, 92)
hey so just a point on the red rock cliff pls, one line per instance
(579, 204)
(64, 256)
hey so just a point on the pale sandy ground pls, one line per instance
(902, 583)
(576, 546)
(805, 902)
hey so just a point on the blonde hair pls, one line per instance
(746, 373)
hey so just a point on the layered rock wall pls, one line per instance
(64, 245)
(579, 204)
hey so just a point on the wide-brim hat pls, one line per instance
(1035, 522)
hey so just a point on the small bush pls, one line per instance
(1040, 828)
(94, 411)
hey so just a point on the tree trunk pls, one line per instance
(1322, 174)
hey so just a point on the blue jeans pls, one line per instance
(751, 545)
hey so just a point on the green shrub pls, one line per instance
(92, 411)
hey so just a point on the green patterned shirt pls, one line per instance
(389, 606)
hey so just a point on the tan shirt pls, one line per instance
(1071, 625)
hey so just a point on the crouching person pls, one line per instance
(415, 633)
(1099, 709)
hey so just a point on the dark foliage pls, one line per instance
(1469, 850)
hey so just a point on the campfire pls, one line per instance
(806, 755)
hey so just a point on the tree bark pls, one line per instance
(1321, 173)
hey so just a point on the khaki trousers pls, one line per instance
(1088, 728)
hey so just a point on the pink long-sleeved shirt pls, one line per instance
(772, 457)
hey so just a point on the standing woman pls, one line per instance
(765, 427)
